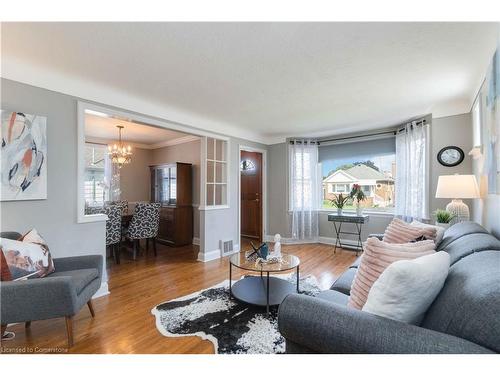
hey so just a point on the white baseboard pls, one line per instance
(102, 291)
(216, 254)
(322, 240)
(209, 255)
(196, 241)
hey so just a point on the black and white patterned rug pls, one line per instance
(233, 327)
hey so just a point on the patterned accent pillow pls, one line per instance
(439, 230)
(27, 258)
(378, 255)
(5, 272)
(399, 231)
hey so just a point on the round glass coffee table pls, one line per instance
(263, 290)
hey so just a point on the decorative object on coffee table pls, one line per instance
(457, 187)
(256, 252)
(277, 245)
(358, 220)
(259, 290)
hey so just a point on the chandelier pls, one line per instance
(119, 153)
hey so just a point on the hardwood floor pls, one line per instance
(123, 322)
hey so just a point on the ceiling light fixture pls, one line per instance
(119, 153)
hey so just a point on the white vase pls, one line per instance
(339, 211)
(443, 225)
(359, 210)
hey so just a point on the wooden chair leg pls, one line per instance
(136, 249)
(154, 245)
(69, 330)
(27, 324)
(116, 253)
(91, 308)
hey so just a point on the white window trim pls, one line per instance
(82, 106)
(203, 174)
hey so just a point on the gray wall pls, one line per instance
(135, 178)
(449, 131)
(186, 153)
(222, 224)
(54, 217)
(277, 190)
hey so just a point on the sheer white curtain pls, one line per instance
(412, 174)
(305, 189)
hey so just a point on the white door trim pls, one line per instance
(264, 188)
(82, 106)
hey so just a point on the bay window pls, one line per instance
(366, 161)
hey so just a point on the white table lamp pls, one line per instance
(457, 187)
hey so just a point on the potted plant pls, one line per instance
(443, 218)
(358, 195)
(339, 201)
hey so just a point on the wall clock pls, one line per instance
(450, 156)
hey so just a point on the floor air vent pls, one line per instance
(226, 247)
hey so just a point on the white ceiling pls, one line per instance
(104, 128)
(261, 81)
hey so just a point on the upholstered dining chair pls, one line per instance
(122, 204)
(93, 210)
(144, 225)
(114, 230)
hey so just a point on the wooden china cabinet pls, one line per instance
(171, 185)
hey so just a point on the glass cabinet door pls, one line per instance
(162, 185)
(164, 179)
(173, 185)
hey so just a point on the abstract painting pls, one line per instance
(23, 156)
(492, 124)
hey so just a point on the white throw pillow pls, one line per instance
(406, 289)
(439, 230)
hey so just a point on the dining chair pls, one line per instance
(89, 210)
(122, 204)
(144, 225)
(114, 230)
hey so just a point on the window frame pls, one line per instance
(215, 161)
(91, 170)
(368, 210)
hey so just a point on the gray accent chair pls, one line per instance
(464, 317)
(60, 294)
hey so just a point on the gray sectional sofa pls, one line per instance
(464, 318)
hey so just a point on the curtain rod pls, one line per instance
(393, 132)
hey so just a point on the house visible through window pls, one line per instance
(95, 189)
(368, 163)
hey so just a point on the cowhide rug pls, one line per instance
(232, 326)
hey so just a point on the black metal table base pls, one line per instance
(338, 242)
(263, 290)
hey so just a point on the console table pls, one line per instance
(338, 220)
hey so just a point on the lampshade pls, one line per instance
(457, 186)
